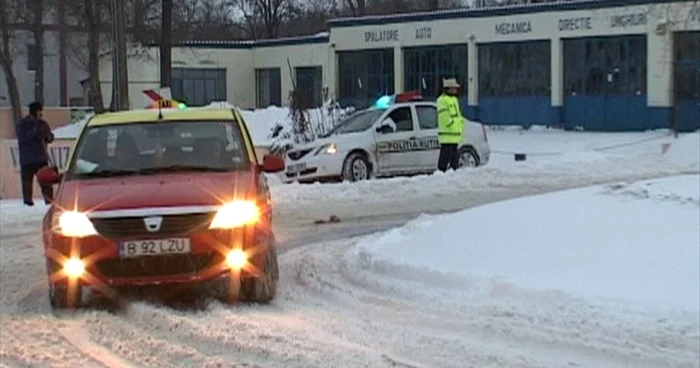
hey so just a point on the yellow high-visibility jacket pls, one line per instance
(450, 120)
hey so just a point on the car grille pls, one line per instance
(296, 155)
(154, 266)
(172, 225)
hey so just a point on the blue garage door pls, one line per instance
(514, 84)
(426, 67)
(687, 81)
(605, 81)
(364, 76)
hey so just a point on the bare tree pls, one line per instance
(357, 8)
(263, 18)
(9, 9)
(37, 10)
(86, 50)
(166, 38)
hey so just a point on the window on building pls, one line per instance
(605, 65)
(427, 117)
(268, 87)
(515, 69)
(309, 86)
(426, 67)
(687, 70)
(32, 57)
(364, 76)
(198, 86)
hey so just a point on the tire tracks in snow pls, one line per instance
(74, 333)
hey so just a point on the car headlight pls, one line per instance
(329, 149)
(74, 224)
(235, 214)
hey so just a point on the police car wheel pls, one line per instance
(468, 158)
(356, 168)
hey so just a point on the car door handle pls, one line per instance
(412, 138)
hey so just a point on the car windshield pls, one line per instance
(357, 122)
(148, 148)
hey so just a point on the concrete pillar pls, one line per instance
(473, 83)
(557, 80)
(398, 69)
(660, 62)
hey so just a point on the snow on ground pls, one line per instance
(585, 278)
(573, 158)
(635, 242)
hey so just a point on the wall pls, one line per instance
(25, 78)
(10, 184)
(55, 116)
(144, 71)
(542, 22)
(315, 54)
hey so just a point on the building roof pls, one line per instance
(322, 37)
(559, 5)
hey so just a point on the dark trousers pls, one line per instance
(27, 174)
(449, 156)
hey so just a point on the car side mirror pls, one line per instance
(48, 175)
(272, 164)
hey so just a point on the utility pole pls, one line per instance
(120, 75)
(166, 40)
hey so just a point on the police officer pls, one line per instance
(450, 125)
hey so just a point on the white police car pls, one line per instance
(397, 136)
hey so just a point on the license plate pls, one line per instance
(296, 168)
(153, 247)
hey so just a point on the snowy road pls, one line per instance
(331, 309)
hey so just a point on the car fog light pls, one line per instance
(236, 259)
(74, 268)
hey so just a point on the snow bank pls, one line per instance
(686, 150)
(71, 131)
(593, 242)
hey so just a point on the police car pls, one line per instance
(397, 136)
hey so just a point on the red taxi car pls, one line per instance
(155, 197)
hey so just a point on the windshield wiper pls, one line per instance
(109, 173)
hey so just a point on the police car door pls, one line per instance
(395, 136)
(429, 153)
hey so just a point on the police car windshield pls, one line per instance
(358, 122)
(149, 148)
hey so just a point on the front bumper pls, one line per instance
(312, 168)
(206, 261)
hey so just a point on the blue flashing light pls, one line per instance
(384, 102)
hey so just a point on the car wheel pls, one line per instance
(61, 298)
(356, 168)
(468, 157)
(262, 289)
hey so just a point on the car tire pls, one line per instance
(468, 156)
(354, 166)
(60, 298)
(262, 289)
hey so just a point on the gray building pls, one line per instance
(62, 85)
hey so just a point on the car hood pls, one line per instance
(162, 190)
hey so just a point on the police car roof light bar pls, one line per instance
(408, 97)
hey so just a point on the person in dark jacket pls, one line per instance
(33, 137)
